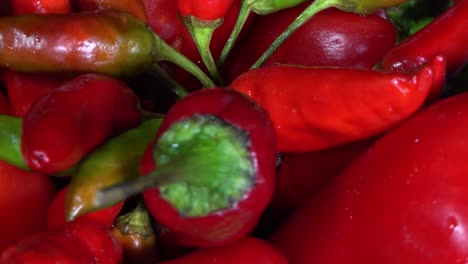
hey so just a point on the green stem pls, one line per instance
(310, 11)
(176, 87)
(202, 32)
(244, 12)
(164, 52)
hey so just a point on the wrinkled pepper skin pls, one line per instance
(246, 250)
(134, 7)
(230, 224)
(77, 242)
(330, 38)
(404, 201)
(103, 42)
(24, 199)
(447, 35)
(317, 108)
(204, 9)
(63, 126)
(21, 7)
(56, 213)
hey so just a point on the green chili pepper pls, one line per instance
(10, 141)
(114, 162)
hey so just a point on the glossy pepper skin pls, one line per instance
(316, 108)
(446, 35)
(77, 242)
(104, 42)
(401, 202)
(63, 126)
(226, 225)
(21, 7)
(24, 89)
(24, 199)
(134, 7)
(246, 250)
(204, 9)
(114, 161)
(330, 38)
(56, 213)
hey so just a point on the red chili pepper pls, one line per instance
(246, 250)
(404, 201)
(164, 20)
(317, 108)
(301, 175)
(446, 35)
(5, 107)
(77, 242)
(215, 157)
(61, 127)
(26, 88)
(56, 212)
(330, 38)
(21, 7)
(24, 199)
(134, 7)
(204, 9)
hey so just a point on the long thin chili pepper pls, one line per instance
(107, 42)
(115, 161)
(317, 108)
(210, 172)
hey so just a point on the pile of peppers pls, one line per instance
(233, 131)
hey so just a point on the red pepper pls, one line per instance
(404, 201)
(77, 242)
(215, 157)
(246, 250)
(446, 35)
(26, 88)
(61, 127)
(24, 199)
(21, 7)
(330, 38)
(204, 9)
(301, 175)
(317, 108)
(134, 7)
(164, 20)
(56, 212)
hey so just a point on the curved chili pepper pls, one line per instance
(246, 250)
(135, 233)
(317, 108)
(56, 213)
(107, 42)
(202, 18)
(134, 7)
(24, 89)
(21, 7)
(113, 162)
(215, 157)
(24, 199)
(63, 126)
(77, 242)
(330, 38)
(402, 202)
(446, 35)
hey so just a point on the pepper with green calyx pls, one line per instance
(209, 174)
